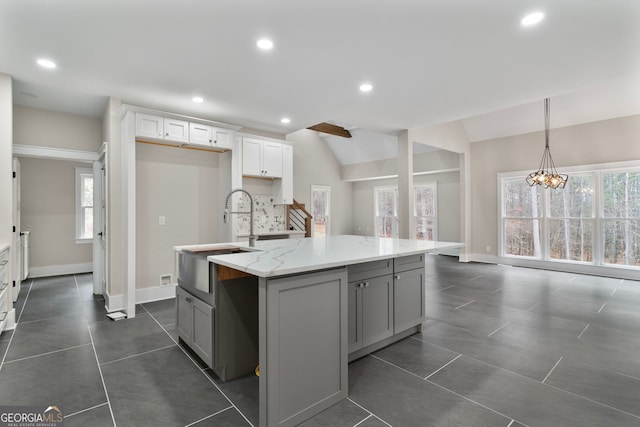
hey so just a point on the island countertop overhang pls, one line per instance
(274, 258)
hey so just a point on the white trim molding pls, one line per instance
(38, 152)
(60, 270)
(143, 295)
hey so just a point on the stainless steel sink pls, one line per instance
(199, 276)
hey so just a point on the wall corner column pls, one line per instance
(405, 187)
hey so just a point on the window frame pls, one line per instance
(434, 187)
(598, 171)
(395, 219)
(80, 174)
(327, 215)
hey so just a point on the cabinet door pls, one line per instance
(377, 309)
(149, 126)
(284, 187)
(184, 316)
(221, 138)
(200, 134)
(202, 342)
(176, 130)
(409, 299)
(354, 309)
(251, 153)
(272, 159)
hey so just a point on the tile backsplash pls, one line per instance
(268, 217)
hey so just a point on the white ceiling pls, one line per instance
(430, 61)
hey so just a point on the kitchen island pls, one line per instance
(322, 301)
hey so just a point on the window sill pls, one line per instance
(84, 241)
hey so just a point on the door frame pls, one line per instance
(38, 152)
(100, 221)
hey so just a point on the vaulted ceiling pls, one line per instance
(428, 61)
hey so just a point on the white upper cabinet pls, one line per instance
(149, 126)
(158, 127)
(284, 187)
(221, 138)
(261, 158)
(200, 134)
(176, 130)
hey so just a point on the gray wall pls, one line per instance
(598, 142)
(48, 211)
(448, 184)
(48, 186)
(314, 164)
(6, 182)
(43, 128)
(182, 186)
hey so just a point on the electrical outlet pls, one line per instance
(162, 220)
(165, 280)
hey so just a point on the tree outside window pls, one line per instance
(386, 211)
(425, 206)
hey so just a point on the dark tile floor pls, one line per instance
(502, 346)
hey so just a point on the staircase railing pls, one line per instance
(298, 218)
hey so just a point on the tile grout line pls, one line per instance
(209, 416)
(47, 353)
(474, 278)
(602, 307)
(509, 425)
(75, 279)
(466, 303)
(444, 289)
(442, 367)
(546, 384)
(104, 385)
(554, 291)
(4, 356)
(85, 410)
(583, 331)
(365, 409)
(614, 291)
(497, 290)
(552, 369)
(198, 367)
(363, 420)
(136, 355)
(500, 328)
(532, 306)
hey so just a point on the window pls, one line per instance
(386, 211)
(84, 205)
(621, 217)
(320, 208)
(425, 211)
(594, 220)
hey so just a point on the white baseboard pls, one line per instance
(568, 267)
(156, 293)
(60, 270)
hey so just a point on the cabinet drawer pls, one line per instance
(410, 262)
(371, 269)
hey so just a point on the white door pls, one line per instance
(17, 246)
(100, 194)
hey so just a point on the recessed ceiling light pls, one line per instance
(285, 120)
(366, 87)
(532, 19)
(46, 63)
(198, 99)
(265, 44)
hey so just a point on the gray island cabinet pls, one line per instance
(322, 302)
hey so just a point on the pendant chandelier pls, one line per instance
(547, 176)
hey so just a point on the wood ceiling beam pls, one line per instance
(331, 129)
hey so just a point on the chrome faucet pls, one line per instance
(252, 237)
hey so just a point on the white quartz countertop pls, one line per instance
(271, 233)
(272, 258)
